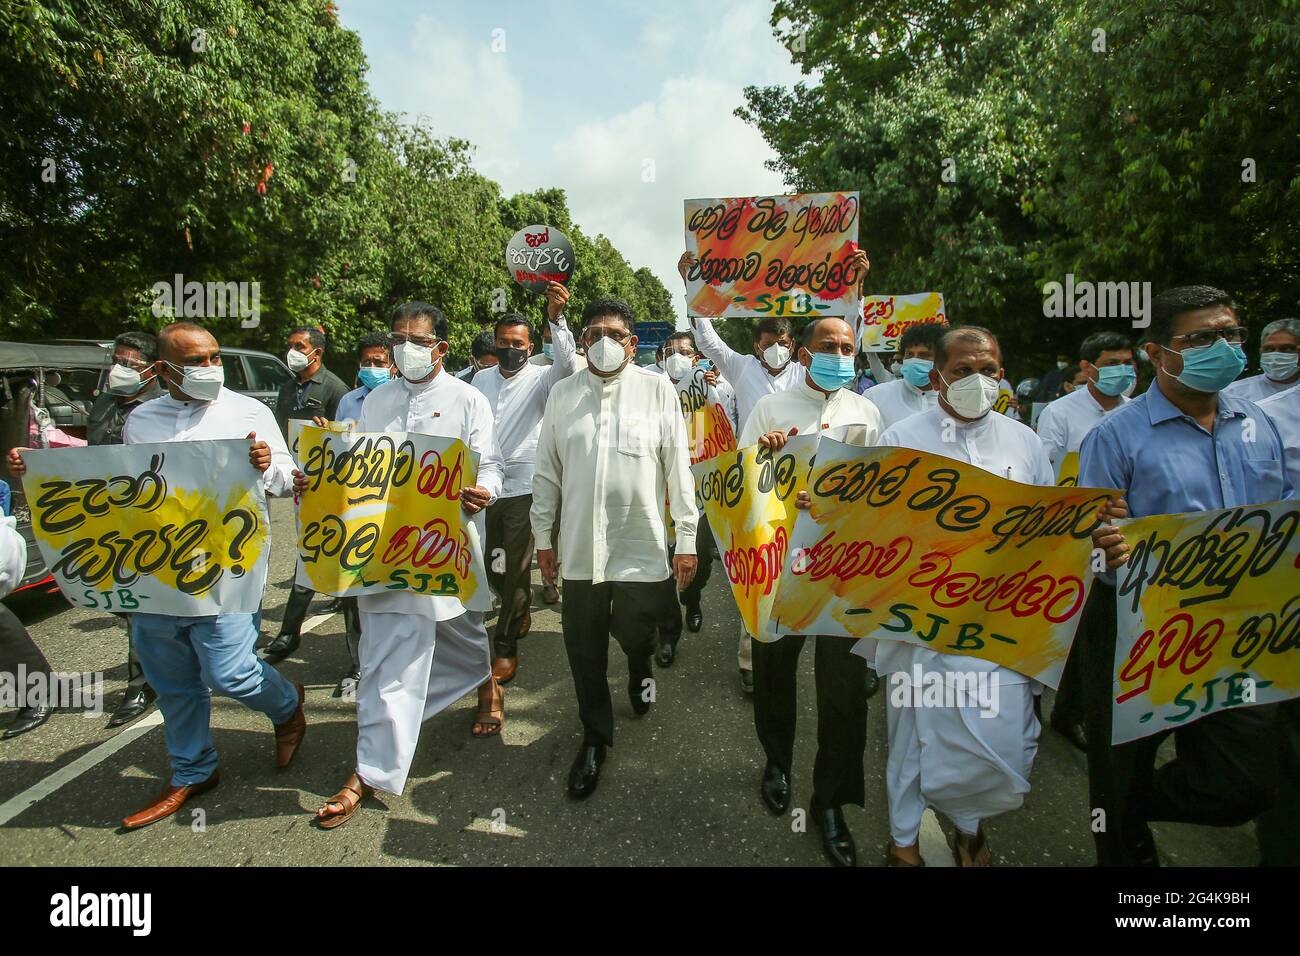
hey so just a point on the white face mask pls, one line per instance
(201, 382)
(776, 355)
(297, 361)
(606, 355)
(1278, 366)
(415, 362)
(123, 380)
(973, 396)
(678, 366)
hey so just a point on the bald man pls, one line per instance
(819, 401)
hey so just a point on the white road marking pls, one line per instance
(483, 825)
(93, 758)
(933, 844)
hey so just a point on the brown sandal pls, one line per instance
(972, 845)
(893, 859)
(347, 799)
(494, 717)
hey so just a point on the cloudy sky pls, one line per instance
(593, 97)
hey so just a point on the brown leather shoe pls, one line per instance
(503, 669)
(169, 801)
(550, 594)
(289, 734)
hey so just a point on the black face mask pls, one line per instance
(511, 360)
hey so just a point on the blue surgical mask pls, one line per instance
(373, 377)
(548, 350)
(704, 365)
(916, 372)
(830, 372)
(1115, 379)
(1211, 368)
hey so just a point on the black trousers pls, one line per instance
(1068, 705)
(672, 600)
(17, 647)
(1279, 828)
(295, 612)
(509, 568)
(1224, 772)
(841, 713)
(628, 610)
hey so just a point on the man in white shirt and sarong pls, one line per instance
(911, 392)
(1106, 360)
(517, 393)
(421, 652)
(612, 449)
(959, 760)
(1279, 359)
(821, 401)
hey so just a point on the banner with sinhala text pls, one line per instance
(907, 546)
(175, 528)
(382, 513)
(1208, 616)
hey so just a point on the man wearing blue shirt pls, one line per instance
(1181, 446)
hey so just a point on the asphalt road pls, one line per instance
(680, 786)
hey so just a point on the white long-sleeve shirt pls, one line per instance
(746, 373)
(517, 405)
(229, 415)
(899, 399)
(13, 555)
(611, 450)
(1064, 422)
(444, 407)
(997, 444)
(811, 411)
(1284, 409)
(1256, 388)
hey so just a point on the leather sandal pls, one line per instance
(348, 800)
(893, 859)
(971, 845)
(492, 718)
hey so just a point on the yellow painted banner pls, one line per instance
(907, 546)
(748, 496)
(1067, 470)
(175, 528)
(382, 513)
(886, 317)
(772, 255)
(1208, 616)
(708, 429)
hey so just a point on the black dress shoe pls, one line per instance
(665, 655)
(585, 772)
(282, 647)
(334, 606)
(134, 703)
(694, 620)
(837, 841)
(775, 788)
(638, 673)
(1071, 730)
(27, 718)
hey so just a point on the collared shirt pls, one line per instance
(611, 450)
(1284, 409)
(108, 414)
(319, 395)
(444, 407)
(517, 405)
(997, 444)
(229, 415)
(745, 372)
(1166, 463)
(1256, 388)
(900, 399)
(810, 411)
(349, 409)
(1064, 422)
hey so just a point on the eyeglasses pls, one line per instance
(137, 365)
(423, 341)
(1202, 337)
(593, 335)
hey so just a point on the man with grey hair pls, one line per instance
(1279, 345)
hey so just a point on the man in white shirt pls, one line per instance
(517, 393)
(768, 369)
(911, 392)
(1279, 349)
(965, 763)
(183, 657)
(421, 652)
(1107, 361)
(612, 448)
(821, 401)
